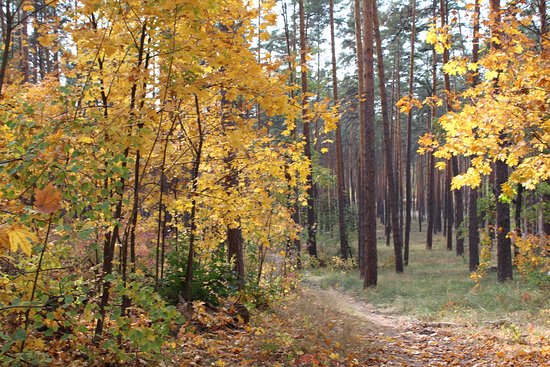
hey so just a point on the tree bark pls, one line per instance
(459, 211)
(311, 230)
(504, 246)
(340, 188)
(369, 172)
(390, 174)
(408, 183)
(473, 226)
(361, 221)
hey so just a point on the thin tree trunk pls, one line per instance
(420, 193)
(311, 230)
(361, 223)
(341, 191)
(408, 183)
(448, 206)
(431, 202)
(504, 246)
(517, 216)
(390, 175)
(473, 225)
(459, 211)
(7, 43)
(188, 283)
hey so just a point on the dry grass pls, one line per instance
(436, 286)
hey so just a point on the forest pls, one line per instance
(274, 183)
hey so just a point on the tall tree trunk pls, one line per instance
(361, 221)
(458, 200)
(408, 183)
(311, 230)
(473, 226)
(369, 171)
(504, 246)
(517, 215)
(541, 4)
(25, 46)
(397, 140)
(390, 175)
(292, 79)
(341, 191)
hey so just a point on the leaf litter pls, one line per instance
(317, 327)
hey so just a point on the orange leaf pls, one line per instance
(4, 238)
(47, 200)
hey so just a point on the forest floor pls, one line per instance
(328, 327)
(433, 315)
(398, 340)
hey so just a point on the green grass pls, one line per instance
(436, 286)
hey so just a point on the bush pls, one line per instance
(533, 259)
(213, 280)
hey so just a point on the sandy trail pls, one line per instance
(402, 341)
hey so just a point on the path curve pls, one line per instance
(403, 341)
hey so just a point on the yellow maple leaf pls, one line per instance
(48, 200)
(17, 237)
(440, 165)
(27, 6)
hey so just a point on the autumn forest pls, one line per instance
(274, 183)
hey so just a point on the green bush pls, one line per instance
(213, 280)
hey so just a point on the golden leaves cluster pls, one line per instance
(504, 117)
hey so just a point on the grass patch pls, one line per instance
(436, 286)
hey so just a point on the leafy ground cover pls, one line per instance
(433, 315)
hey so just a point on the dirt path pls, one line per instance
(401, 341)
(317, 327)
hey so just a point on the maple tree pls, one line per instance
(126, 147)
(498, 120)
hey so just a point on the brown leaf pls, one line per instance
(47, 200)
(4, 238)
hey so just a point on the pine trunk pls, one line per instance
(369, 171)
(390, 175)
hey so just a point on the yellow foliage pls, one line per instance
(533, 260)
(16, 237)
(485, 258)
(406, 103)
(503, 117)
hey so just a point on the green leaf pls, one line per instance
(19, 335)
